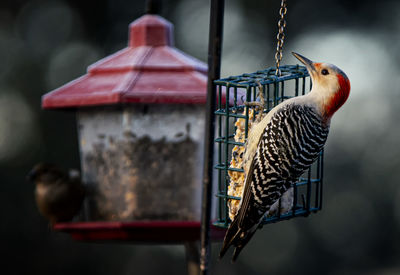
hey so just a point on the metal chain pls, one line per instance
(280, 36)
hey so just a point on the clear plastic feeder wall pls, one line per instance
(232, 114)
(142, 162)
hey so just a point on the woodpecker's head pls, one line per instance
(330, 84)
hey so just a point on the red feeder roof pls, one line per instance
(149, 70)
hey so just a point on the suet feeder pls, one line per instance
(233, 124)
(140, 115)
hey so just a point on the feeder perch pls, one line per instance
(294, 81)
(140, 115)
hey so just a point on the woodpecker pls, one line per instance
(282, 146)
(58, 195)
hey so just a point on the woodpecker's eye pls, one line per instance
(324, 72)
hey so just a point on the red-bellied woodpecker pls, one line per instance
(282, 146)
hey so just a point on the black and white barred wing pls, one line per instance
(290, 143)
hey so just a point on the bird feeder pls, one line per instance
(236, 119)
(140, 115)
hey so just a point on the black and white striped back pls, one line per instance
(290, 143)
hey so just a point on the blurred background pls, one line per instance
(44, 44)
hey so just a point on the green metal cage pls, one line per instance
(232, 93)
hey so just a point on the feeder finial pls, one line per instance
(150, 30)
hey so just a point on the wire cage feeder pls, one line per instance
(231, 110)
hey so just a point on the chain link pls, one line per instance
(280, 36)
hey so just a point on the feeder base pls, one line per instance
(138, 232)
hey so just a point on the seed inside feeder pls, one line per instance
(142, 166)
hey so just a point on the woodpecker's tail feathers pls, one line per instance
(242, 243)
(237, 237)
(230, 236)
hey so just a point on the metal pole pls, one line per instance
(214, 68)
(192, 258)
(153, 6)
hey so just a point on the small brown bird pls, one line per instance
(59, 196)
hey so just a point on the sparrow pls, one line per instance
(58, 195)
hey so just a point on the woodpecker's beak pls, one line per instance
(309, 64)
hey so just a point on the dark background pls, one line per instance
(44, 44)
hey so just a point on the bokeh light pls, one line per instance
(46, 25)
(17, 126)
(10, 49)
(70, 62)
(244, 48)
